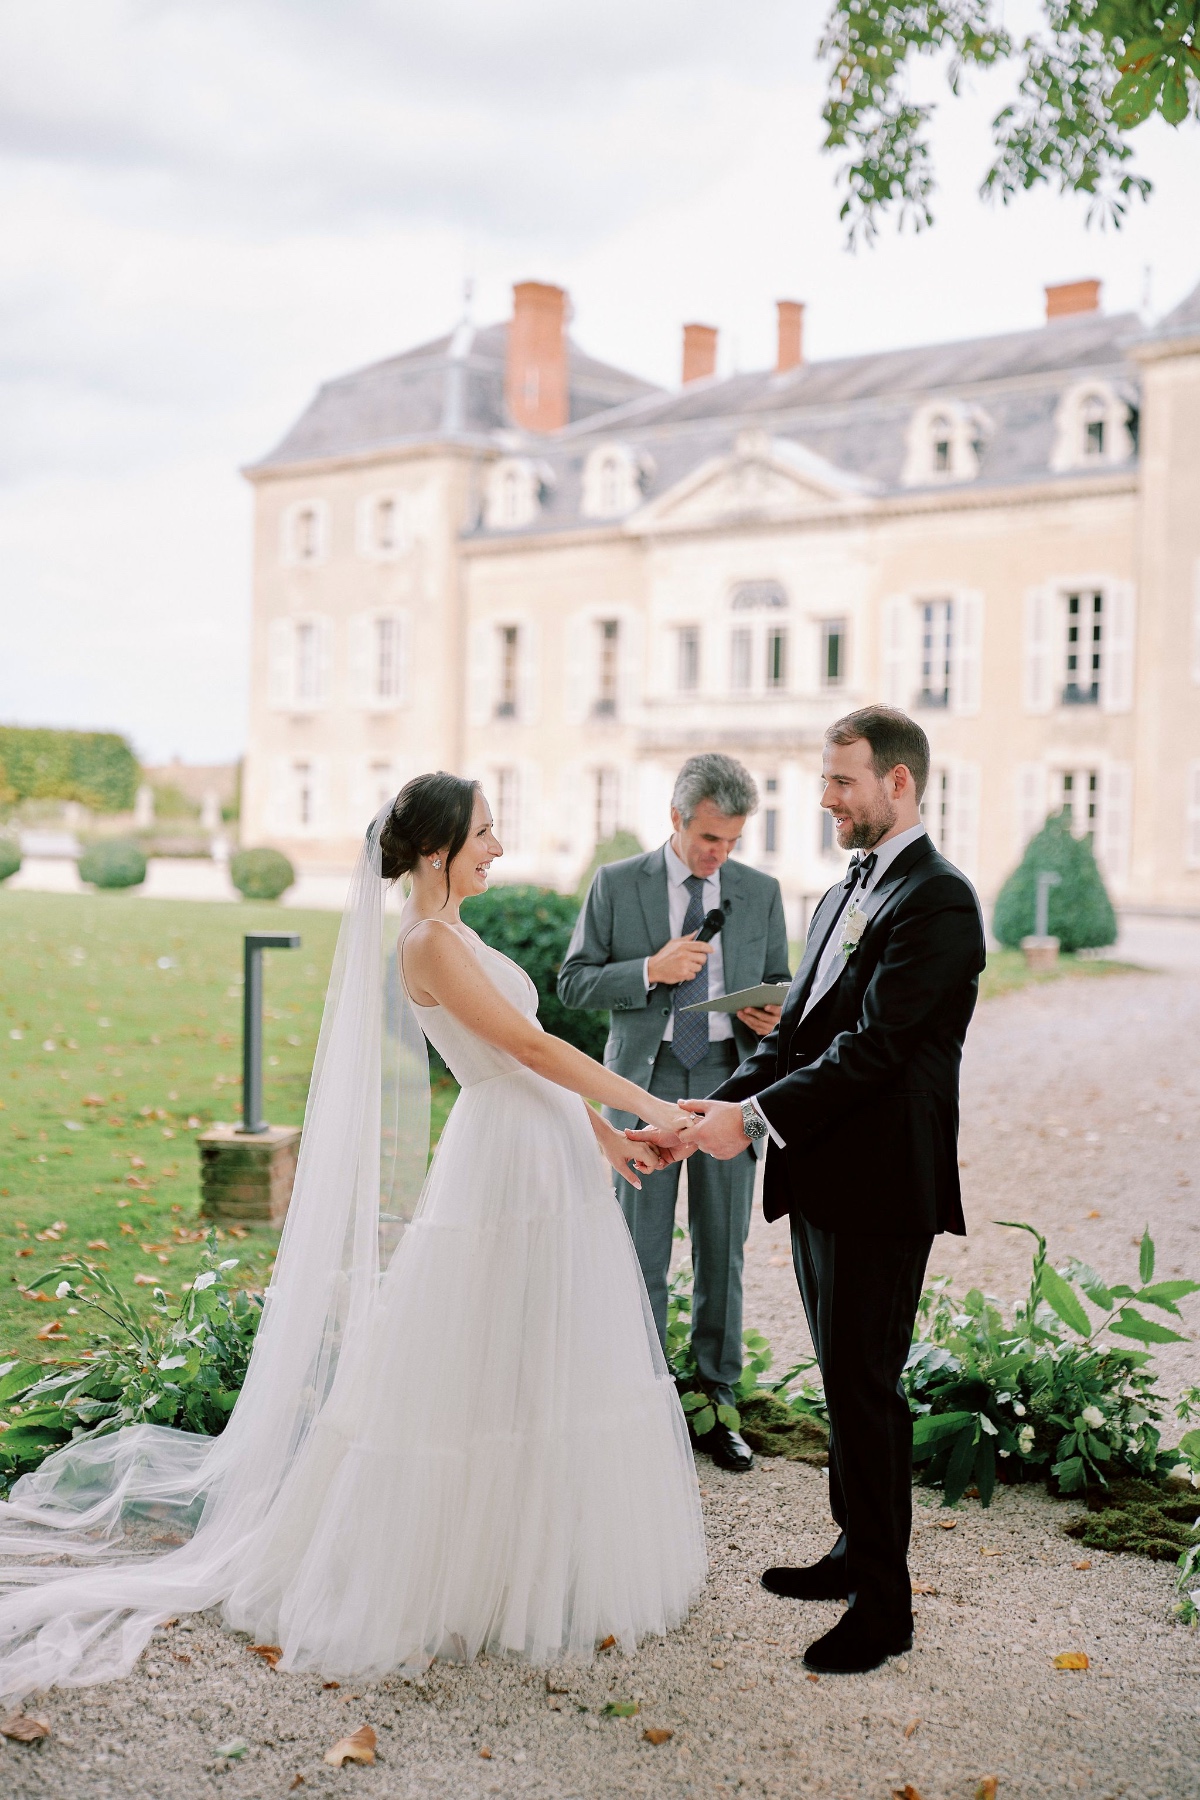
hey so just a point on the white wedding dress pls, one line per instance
(498, 1462)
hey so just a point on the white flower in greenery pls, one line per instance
(62, 1290)
(1093, 1417)
(853, 926)
(231, 1263)
(1019, 1409)
(988, 1426)
(1025, 1439)
(204, 1281)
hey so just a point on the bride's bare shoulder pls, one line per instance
(433, 940)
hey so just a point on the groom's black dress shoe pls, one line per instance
(824, 1580)
(856, 1645)
(728, 1450)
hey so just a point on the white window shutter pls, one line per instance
(1192, 838)
(1115, 822)
(480, 672)
(279, 788)
(529, 674)
(361, 659)
(322, 783)
(1117, 648)
(404, 656)
(577, 672)
(529, 809)
(1041, 614)
(281, 660)
(630, 663)
(966, 674)
(1032, 802)
(897, 612)
(1196, 623)
(324, 660)
(964, 816)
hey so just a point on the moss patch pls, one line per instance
(1142, 1516)
(772, 1430)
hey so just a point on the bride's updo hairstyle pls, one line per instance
(430, 813)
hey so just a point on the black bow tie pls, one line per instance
(861, 869)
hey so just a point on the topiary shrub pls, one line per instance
(261, 874)
(1081, 913)
(10, 857)
(113, 863)
(533, 926)
(613, 849)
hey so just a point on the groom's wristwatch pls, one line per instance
(753, 1123)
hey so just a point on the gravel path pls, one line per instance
(1079, 1099)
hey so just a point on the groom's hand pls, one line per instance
(717, 1129)
(670, 1145)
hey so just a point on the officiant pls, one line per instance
(635, 954)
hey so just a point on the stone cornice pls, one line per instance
(428, 449)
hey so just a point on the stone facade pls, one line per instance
(1000, 535)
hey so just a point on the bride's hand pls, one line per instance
(665, 1115)
(621, 1153)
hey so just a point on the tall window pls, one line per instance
(507, 799)
(687, 653)
(385, 524)
(308, 533)
(507, 687)
(833, 652)
(771, 817)
(308, 661)
(935, 808)
(777, 657)
(1094, 417)
(306, 804)
(1080, 799)
(937, 618)
(1084, 626)
(606, 802)
(942, 434)
(382, 783)
(388, 668)
(739, 659)
(609, 653)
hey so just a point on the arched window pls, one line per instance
(514, 490)
(1094, 424)
(1094, 419)
(941, 431)
(944, 443)
(613, 478)
(612, 488)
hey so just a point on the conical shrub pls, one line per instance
(1081, 913)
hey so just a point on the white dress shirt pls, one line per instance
(885, 856)
(720, 1025)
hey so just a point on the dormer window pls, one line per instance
(613, 478)
(945, 440)
(1094, 426)
(515, 489)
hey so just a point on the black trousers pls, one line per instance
(860, 1295)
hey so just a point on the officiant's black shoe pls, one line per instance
(824, 1580)
(857, 1645)
(727, 1449)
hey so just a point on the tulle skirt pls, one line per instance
(502, 1462)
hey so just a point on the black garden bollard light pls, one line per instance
(253, 1124)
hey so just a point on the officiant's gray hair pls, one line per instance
(721, 779)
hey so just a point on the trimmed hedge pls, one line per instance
(96, 768)
(261, 874)
(10, 857)
(1081, 913)
(613, 849)
(113, 864)
(533, 926)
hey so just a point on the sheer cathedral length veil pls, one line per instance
(361, 1170)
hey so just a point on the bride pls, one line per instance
(478, 1445)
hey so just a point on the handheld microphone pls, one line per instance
(713, 922)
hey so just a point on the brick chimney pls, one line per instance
(699, 352)
(535, 376)
(791, 336)
(1071, 297)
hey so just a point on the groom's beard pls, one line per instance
(866, 832)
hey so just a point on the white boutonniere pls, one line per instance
(853, 926)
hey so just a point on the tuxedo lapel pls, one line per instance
(652, 893)
(818, 933)
(876, 904)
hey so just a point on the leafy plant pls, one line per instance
(113, 863)
(261, 874)
(96, 768)
(10, 857)
(614, 849)
(1042, 1396)
(181, 1367)
(533, 925)
(1081, 915)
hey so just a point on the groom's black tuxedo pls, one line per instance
(863, 1093)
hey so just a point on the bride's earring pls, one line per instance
(437, 862)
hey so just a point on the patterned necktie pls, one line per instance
(690, 1037)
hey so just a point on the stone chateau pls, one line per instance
(498, 555)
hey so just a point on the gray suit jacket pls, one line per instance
(625, 919)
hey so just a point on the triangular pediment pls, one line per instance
(764, 479)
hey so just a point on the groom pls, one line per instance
(857, 1091)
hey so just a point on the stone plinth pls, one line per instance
(1040, 952)
(246, 1180)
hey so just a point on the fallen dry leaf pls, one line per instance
(486, 1754)
(552, 1688)
(911, 1727)
(1071, 1659)
(717, 1663)
(359, 1747)
(947, 1525)
(24, 1728)
(141, 1280)
(657, 1734)
(923, 1587)
(24, 1252)
(92, 1100)
(270, 1653)
(1084, 1563)
(296, 1781)
(53, 1331)
(1092, 1215)
(608, 1643)
(181, 1656)
(907, 1792)
(98, 1244)
(991, 1553)
(814, 1678)
(331, 1684)
(986, 1788)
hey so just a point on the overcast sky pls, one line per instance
(209, 206)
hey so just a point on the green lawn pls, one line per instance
(1006, 971)
(120, 1039)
